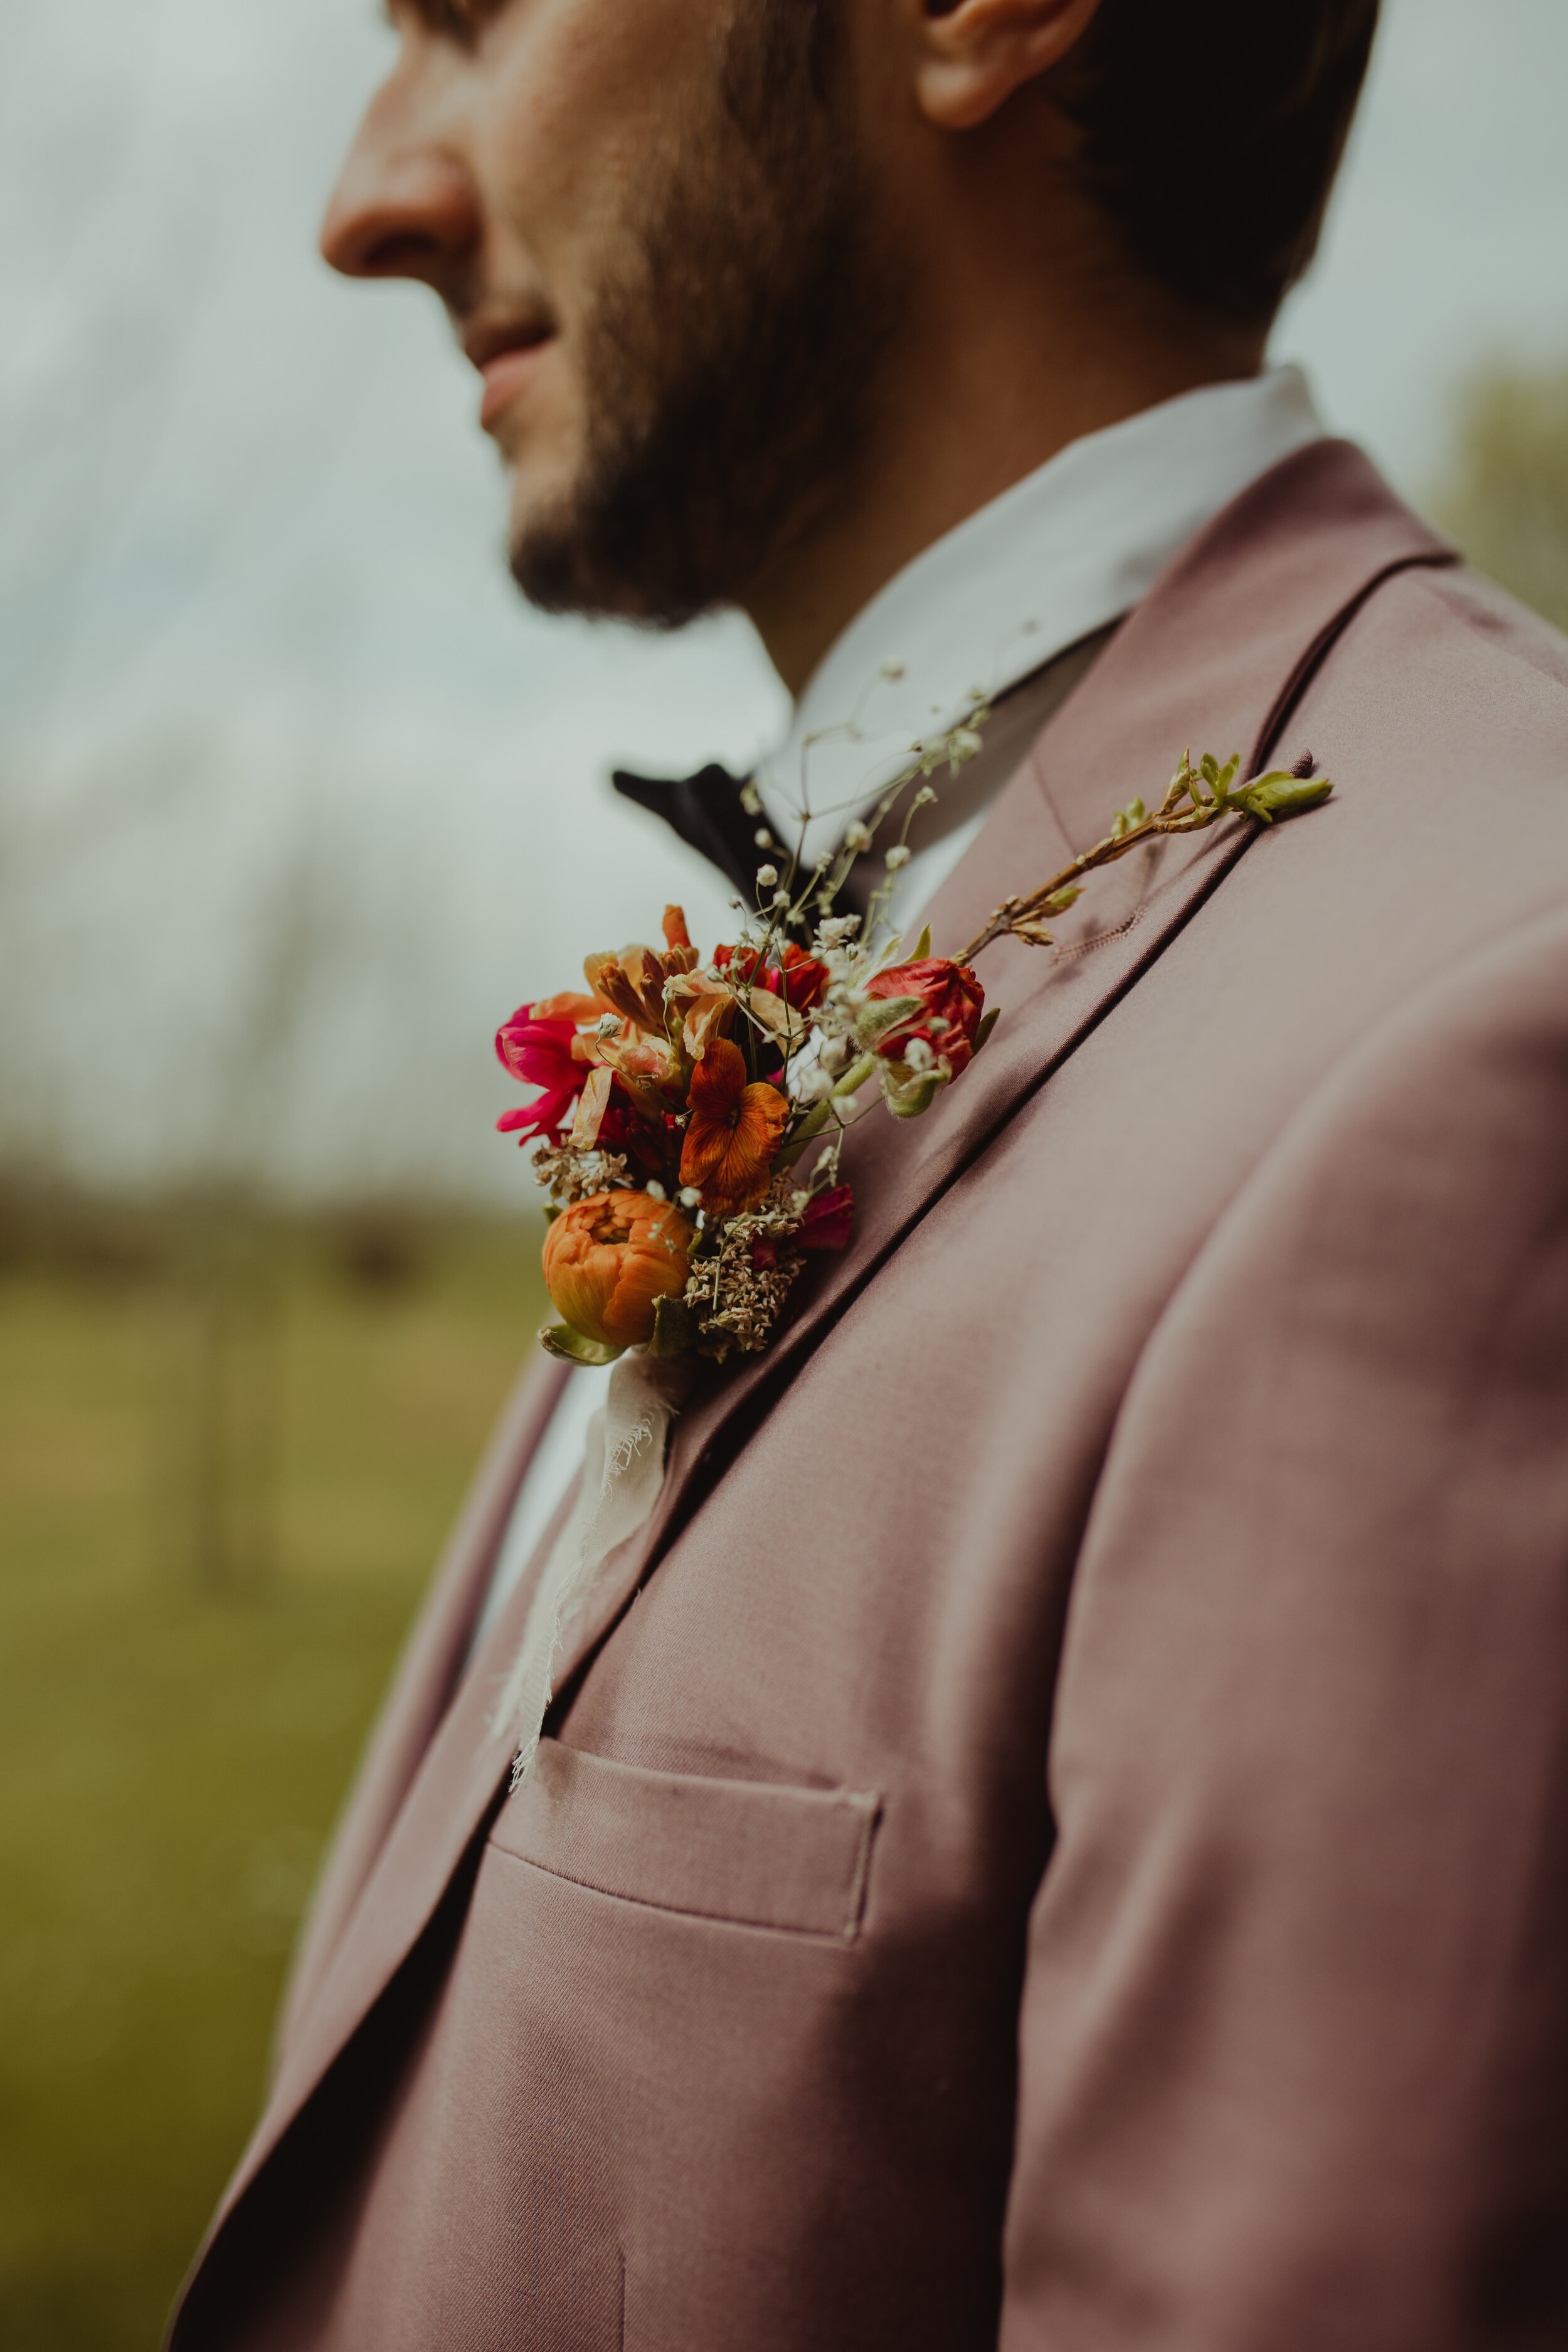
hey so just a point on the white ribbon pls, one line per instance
(623, 1471)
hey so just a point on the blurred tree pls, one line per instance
(1505, 498)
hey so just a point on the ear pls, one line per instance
(974, 54)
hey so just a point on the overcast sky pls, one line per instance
(273, 726)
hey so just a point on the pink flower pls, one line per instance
(539, 1053)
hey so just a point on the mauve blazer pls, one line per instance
(1055, 1833)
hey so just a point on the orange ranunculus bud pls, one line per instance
(609, 1260)
(733, 1131)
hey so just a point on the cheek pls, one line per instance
(584, 95)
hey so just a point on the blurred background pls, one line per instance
(291, 792)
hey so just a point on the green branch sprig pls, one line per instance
(1187, 807)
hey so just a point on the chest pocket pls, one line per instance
(796, 1860)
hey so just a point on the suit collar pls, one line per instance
(1050, 561)
(1217, 656)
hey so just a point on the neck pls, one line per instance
(1002, 371)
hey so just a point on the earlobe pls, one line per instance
(974, 54)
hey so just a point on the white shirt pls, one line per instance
(1070, 548)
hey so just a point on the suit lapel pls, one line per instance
(1217, 656)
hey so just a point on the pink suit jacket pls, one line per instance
(1055, 1833)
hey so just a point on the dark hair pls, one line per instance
(1211, 131)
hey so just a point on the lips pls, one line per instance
(509, 374)
(508, 354)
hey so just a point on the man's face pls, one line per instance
(649, 221)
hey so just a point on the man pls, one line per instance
(1052, 1834)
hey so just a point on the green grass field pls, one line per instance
(189, 1658)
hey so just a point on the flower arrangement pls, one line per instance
(679, 1098)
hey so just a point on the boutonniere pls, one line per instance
(691, 1118)
(681, 1096)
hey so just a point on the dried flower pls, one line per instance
(898, 856)
(568, 1175)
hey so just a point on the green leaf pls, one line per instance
(907, 1093)
(1280, 794)
(883, 1014)
(1062, 899)
(1210, 768)
(560, 1339)
(922, 946)
(550, 1214)
(1136, 811)
(987, 1022)
(673, 1331)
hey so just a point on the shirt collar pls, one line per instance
(1071, 547)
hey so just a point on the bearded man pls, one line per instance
(1052, 1831)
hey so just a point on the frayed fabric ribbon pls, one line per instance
(623, 1471)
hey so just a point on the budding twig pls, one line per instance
(1186, 808)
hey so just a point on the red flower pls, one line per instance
(789, 973)
(951, 1001)
(539, 1053)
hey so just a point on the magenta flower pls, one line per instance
(826, 1225)
(539, 1053)
(829, 1220)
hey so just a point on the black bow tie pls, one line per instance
(705, 810)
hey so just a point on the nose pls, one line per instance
(401, 212)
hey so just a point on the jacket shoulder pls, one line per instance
(1461, 662)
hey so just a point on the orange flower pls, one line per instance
(632, 982)
(609, 1260)
(733, 1133)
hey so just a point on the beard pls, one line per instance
(732, 350)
